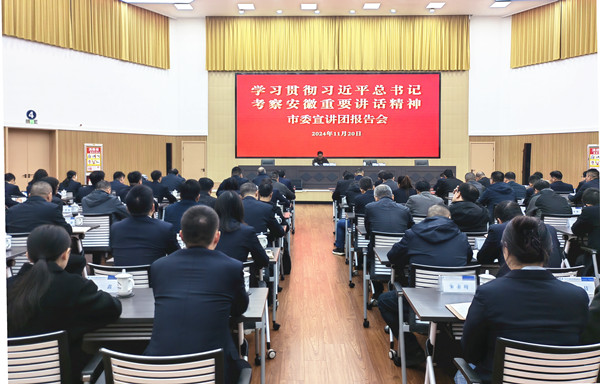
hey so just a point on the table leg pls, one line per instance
(401, 345)
(365, 297)
(429, 373)
(275, 289)
(263, 345)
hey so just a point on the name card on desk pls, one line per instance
(586, 283)
(458, 284)
(105, 283)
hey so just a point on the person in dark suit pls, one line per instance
(528, 304)
(10, 189)
(446, 184)
(366, 196)
(404, 191)
(588, 223)
(70, 183)
(591, 181)
(470, 178)
(546, 201)
(117, 185)
(101, 201)
(384, 215)
(529, 191)
(341, 189)
(557, 184)
(497, 191)
(342, 186)
(492, 247)
(159, 190)
(206, 186)
(190, 193)
(196, 291)
(140, 239)
(465, 212)
(44, 298)
(172, 180)
(37, 176)
(229, 184)
(283, 190)
(320, 160)
(285, 181)
(134, 179)
(258, 214)
(95, 177)
(520, 190)
(262, 175)
(238, 176)
(482, 179)
(387, 178)
(56, 197)
(237, 238)
(434, 241)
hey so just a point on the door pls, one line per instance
(28, 150)
(482, 157)
(193, 159)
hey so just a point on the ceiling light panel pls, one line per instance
(246, 7)
(435, 5)
(184, 7)
(371, 6)
(500, 4)
(308, 6)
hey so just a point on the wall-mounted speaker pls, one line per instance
(526, 163)
(169, 152)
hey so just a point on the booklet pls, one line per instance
(459, 310)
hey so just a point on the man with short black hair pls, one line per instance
(10, 189)
(258, 214)
(117, 185)
(85, 190)
(341, 187)
(190, 193)
(172, 180)
(134, 178)
(520, 190)
(102, 202)
(237, 176)
(388, 179)
(591, 181)
(588, 223)
(446, 184)
(285, 181)
(359, 173)
(159, 190)
(320, 160)
(196, 292)
(465, 212)
(557, 184)
(546, 201)
(140, 239)
(366, 189)
(283, 190)
(206, 186)
(470, 178)
(529, 190)
(419, 204)
(497, 191)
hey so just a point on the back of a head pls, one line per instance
(404, 182)
(533, 179)
(53, 181)
(71, 174)
(510, 176)
(140, 200)
(206, 184)
(422, 186)
(590, 196)
(230, 184)
(134, 177)
(96, 176)
(40, 188)
(248, 189)
(527, 239)
(448, 173)
(438, 210)
(359, 171)
(236, 171)
(199, 225)
(480, 174)
(189, 189)
(382, 191)
(541, 184)
(592, 173)
(388, 175)
(117, 175)
(47, 242)
(265, 189)
(229, 207)
(497, 177)
(366, 183)
(39, 175)
(507, 210)
(282, 173)
(556, 174)
(347, 175)
(469, 176)
(103, 185)
(538, 174)
(174, 171)
(156, 175)
(468, 192)
(9, 177)
(274, 175)
(262, 171)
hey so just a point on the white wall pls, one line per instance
(556, 97)
(80, 91)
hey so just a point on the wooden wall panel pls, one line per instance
(565, 152)
(122, 152)
(221, 128)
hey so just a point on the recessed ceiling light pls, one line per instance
(371, 6)
(317, 11)
(352, 11)
(184, 7)
(241, 12)
(308, 6)
(279, 11)
(246, 7)
(500, 4)
(392, 10)
(435, 5)
(431, 10)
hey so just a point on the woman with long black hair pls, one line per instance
(70, 183)
(37, 176)
(44, 298)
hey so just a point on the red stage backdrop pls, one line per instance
(344, 115)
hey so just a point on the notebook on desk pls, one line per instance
(460, 310)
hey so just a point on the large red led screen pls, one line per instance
(343, 115)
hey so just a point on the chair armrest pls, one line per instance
(468, 372)
(398, 286)
(589, 250)
(93, 369)
(245, 376)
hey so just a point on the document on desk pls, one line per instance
(459, 310)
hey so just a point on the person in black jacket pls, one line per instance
(172, 180)
(190, 193)
(206, 186)
(546, 201)
(70, 183)
(56, 197)
(259, 214)
(159, 190)
(134, 178)
(37, 176)
(10, 189)
(116, 186)
(366, 196)
(591, 181)
(557, 184)
(465, 212)
(101, 201)
(95, 177)
(320, 160)
(405, 190)
(44, 298)
(588, 224)
(520, 190)
(497, 191)
(446, 184)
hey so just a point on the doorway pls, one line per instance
(27, 150)
(193, 159)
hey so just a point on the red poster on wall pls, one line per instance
(594, 156)
(93, 157)
(344, 115)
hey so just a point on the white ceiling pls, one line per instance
(341, 8)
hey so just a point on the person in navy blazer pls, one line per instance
(528, 304)
(520, 190)
(160, 191)
(140, 239)
(190, 192)
(206, 186)
(366, 196)
(262, 175)
(237, 175)
(117, 184)
(558, 185)
(258, 214)
(95, 177)
(492, 247)
(10, 189)
(196, 291)
(283, 180)
(134, 178)
(70, 183)
(172, 180)
(591, 181)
